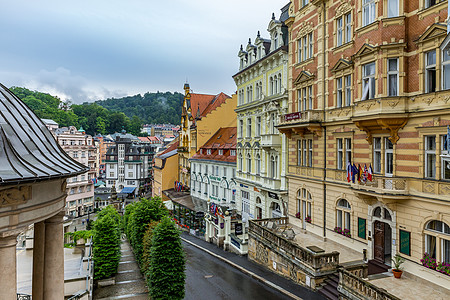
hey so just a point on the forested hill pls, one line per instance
(151, 108)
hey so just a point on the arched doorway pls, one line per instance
(382, 235)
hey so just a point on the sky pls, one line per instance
(90, 50)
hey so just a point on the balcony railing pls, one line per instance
(316, 263)
(387, 105)
(355, 287)
(301, 117)
(384, 185)
(271, 140)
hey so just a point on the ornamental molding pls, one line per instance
(343, 9)
(15, 195)
(305, 28)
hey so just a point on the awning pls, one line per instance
(128, 190)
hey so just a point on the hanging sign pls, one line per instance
(362, 228)
(238, 228)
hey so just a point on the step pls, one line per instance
(331, 289)
(328, 294)
(334, 284)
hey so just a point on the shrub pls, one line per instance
(106, 243)
(146, 245)
(167, 262)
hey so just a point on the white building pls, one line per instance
(80, 189)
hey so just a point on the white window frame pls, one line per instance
(388, 158)
(339, 92)
(310, 152)
(430, 67)
(393, 8)
(377, 152)
(249, 127)
(430, 154)
(348, 90)
(445, 55)
(369, 84)
(258, 126)
(392, 73)
(368, 12)
(340, 154)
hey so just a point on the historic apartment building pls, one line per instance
(165, 169)
(369, 86)
(262, 83)
(201, 116)
(213, 169)
(128, 165)
(80, 188)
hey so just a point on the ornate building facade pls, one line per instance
(369, 86)
(262, 97)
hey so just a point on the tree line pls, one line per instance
(105, 116)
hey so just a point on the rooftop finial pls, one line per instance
(273, 16)
(249, 41)
(242, 48)
(259, 35)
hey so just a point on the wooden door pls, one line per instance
(378, 241)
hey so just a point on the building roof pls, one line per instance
(224, 139)
(202, 104)
(29, 151)
(171, 148)
(49, 122)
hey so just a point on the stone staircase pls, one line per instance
(329, 287)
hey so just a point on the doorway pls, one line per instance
(382, 242)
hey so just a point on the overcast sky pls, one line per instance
(88, 50)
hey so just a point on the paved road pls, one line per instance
(209, 278)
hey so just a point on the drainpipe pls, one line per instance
(448, 16)
(324, 11)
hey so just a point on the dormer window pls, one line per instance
(275, 41)
(259, 52)
(232, 152)
(208, 152)
(220, 152)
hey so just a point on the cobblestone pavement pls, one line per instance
(130, 284)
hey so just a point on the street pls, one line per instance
(210, 278)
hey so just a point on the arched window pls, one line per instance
(276, 210)
(279, 83)
(437, 240)
(271, 85)
(304, 205)
(382, 213)
(273, 166)
(258, 208)
(343, 217)
(275, 82)
(240, 162)
(258, 164)
(275, 40)
(249, 163)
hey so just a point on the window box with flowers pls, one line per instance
(431, 263)
(343, 231)
(298, 216)
(308, 219)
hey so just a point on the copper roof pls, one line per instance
(28, 150)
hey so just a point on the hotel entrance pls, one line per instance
(382, 242)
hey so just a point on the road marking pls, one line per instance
(243, 270)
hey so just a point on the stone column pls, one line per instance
(38, 261)
(8, 277)
(54, 258)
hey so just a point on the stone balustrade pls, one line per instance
(355, 287)
(316, 263)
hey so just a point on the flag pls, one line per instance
(359, 173)
(365, 173)
(349, 171)
(369, 173)
(354, 171)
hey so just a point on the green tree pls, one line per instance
(135, 125)
(167, 262)
(146, 245)
(106, 243)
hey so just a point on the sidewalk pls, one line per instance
(256, 271)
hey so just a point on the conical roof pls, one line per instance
(28, 151)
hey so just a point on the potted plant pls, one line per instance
(397, 261)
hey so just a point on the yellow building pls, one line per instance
(379, 100)
(261, 150)
(165, 169)
(202, 115)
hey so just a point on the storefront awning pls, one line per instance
(128, 190)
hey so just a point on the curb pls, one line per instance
(245, 271)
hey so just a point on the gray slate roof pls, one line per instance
(28, 151)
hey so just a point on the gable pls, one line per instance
(341, 64)
(435, 30)
(365, 49)
(302, 77)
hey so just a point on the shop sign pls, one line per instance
(214, 178)
(362, 228)
(199, 214)
(405, 242)
(256, 190)
(244, 186)
(273, 195)
(293, 116)
(238, 228)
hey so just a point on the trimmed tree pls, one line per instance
(167, 262)
(146, 245)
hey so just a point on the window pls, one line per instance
(275, 40)
(258, 126)
(305, 153)
(437, 240)
(305, 98)
(241, 128)
(340, 154)
(273, 166)
(208, 151)
(305, 47)
(368, 12)
(258, 164)
(339, 33)
(240, 163)
(304, 2)
(232, 152)
(368, 81)
(130, 174)
(429, 3)
(220, 152)
(393, 8)
(249, 94)
(299, 152)
(430, 71)
(430, 156)
(339, 92)
(249, 163)
(249, 127)
(348, 27)
(393, 77)
(343, 29)
(275, 84)
(343, 217)
(348, 90)
(304, 205)
(273, 123)
(348, 150)
(310, 153)
(377, 155)
(245, 201)
(388, 157)
(446, 69)
(445, 164)
(279, 83)
(217, 171)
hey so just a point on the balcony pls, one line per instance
(301, 122)
(385, 189)
(380, 106)
(271, 141)
(272, 183)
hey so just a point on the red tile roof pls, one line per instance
(224, 139)
(171, 148)
(206, 103)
